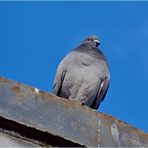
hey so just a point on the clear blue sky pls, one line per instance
(35, 36)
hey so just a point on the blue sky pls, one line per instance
(35, 36)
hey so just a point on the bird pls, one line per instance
(83, 74)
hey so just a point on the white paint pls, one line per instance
(115, 133)
(36, 91)
(99, 132)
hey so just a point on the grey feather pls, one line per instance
(83, 75)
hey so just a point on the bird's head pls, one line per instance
(93, 39)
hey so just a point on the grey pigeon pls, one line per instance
(83, 75)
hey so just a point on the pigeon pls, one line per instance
(83, 75)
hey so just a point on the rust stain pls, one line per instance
(32, 89)
(47, 96)
(4, 80)
(17, 90)
(44, 94)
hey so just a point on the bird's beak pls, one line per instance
(97, 42)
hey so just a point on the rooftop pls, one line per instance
(31, 117)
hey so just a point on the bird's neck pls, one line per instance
(92, 50)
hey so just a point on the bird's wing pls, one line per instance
(101, 93)
(59, 78)
(63, 67)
